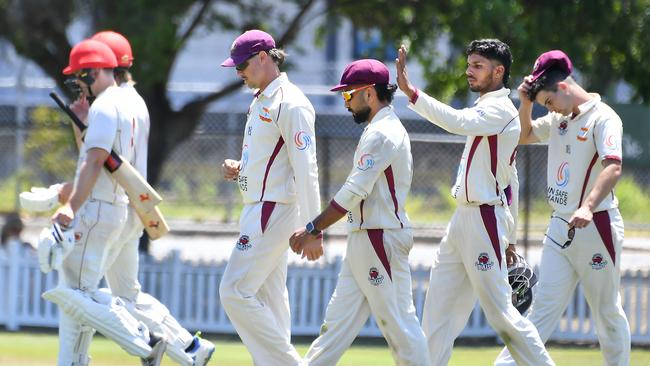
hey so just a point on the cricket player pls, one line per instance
(97, 210)
(471, 261)
(585, 234)
(375, 275)
(278, 178)
(123, 259)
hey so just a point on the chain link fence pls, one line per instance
(191, 179)
(192, 174)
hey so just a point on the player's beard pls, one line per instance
(481, 86)
(361, 116)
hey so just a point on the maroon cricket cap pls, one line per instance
(552, 59)
(247, 45)
(366, 71)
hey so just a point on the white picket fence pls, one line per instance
(191, 293)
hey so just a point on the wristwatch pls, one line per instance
(311, 229)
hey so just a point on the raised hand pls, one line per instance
(523, 89)
(402, 73)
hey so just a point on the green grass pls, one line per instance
(39, 349)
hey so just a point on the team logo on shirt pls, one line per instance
(598, 262)
(582, 134)
(265, 116)
(302, 140)
(366, 161)
(77, 236)
(562, 128)
(483, 263)
(244, 158)
(374, 277)
(243, 244)
(610, 142)
(562, 176)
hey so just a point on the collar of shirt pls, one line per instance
(586, 106)
(105, 90)
(383, 112)
(273, 86)
(493, 94)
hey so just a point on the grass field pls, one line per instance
(38, 349)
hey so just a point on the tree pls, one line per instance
(158, 31)
(606, 39)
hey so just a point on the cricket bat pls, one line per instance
(142, 195)
(154, 223)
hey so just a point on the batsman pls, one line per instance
(96, 212)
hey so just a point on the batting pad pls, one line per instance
(158, 319)
(110, 319)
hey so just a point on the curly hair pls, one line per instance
(385, 92)
(548, 82)
(492, 49)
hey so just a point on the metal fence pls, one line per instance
(191, 176)
(190, 291)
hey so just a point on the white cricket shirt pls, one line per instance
(486, 168)
(577, 145)
(140, 128)
(110, 121)
(492, 129)
(278, 161)
(374, 194)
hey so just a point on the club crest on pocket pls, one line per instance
(483, 263)
(598, 262)
(374, 277)
(243, 244)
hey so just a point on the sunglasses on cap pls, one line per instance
(347, 95)
(242, 66)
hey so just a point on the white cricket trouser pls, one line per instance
(98, 226)
(375, 279)
(123, 259)
(593, 258)
(253, 289)
(471, 263)
(122, 279)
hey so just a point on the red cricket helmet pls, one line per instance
(90, 54)
(119, 44)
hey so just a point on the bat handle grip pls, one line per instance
(67, 110)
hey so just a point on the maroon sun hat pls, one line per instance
(555, 59)
(366, 71)
(247, 45)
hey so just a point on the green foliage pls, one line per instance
(50, 148)
(8, 195)
(633, 200)
(157, 31)
(606, 40)
(427, 210)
